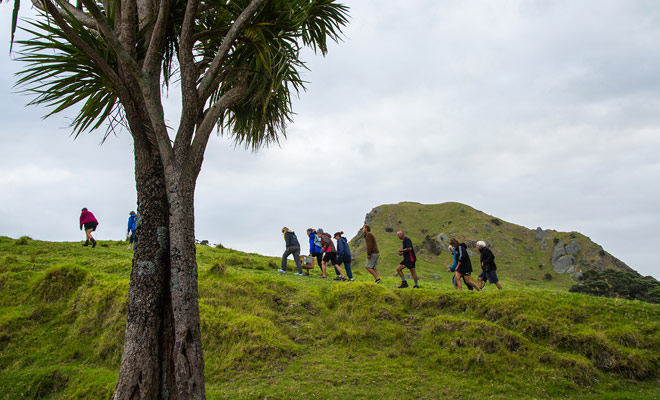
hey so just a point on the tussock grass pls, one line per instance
(63, 311)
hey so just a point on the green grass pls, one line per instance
(63, 309)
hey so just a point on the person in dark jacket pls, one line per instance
(463, 265)
(315, 249)
(132, 225)
(344, 254)
(409, 259)
(292, 247)
(488, 266)
(452, 268)
(330, 255)
(90, 223)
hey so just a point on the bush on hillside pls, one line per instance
(614, 283)
(23, 240)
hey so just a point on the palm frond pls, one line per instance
(267, 58)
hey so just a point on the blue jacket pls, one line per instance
(312, 247)
(131, 223)
(343, 251)
(453, 266)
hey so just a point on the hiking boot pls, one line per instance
(338, 278)
(86, 244)
(281, 271)
(416, 286)
(297, 274)
(307, 274)
(377, 280)
(404, 284)
(350, 279)
(93, 243)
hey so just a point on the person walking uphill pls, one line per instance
(132, 225)
(409, 259)
(315, 249)
(488, 266)
(452, 268)
(292, 247)
(90, 223)
(330, 255)
(463, 265)
(344, 254)
(372, 252)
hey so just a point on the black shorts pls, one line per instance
(332, 257)
(490, 276)
(464, 270)
(408, 264)
(91, 225)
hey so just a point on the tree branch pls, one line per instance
(210, 79)
(128, 28)
(122, 55)
(67, 8)
(209, 122)
(153, 57)
(190, 101)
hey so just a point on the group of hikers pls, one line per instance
(323, 249)
(89, 222)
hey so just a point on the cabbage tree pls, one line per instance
(237, 64)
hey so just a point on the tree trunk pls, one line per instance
(188, 355)
(146, 367)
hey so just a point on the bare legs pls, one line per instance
(468, 280)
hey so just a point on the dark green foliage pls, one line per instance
(547, 276)
(612, 283)
(23, 241)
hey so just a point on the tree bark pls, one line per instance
(188, 354)
(147, 368)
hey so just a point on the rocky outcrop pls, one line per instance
(573, 247)
(563, 257)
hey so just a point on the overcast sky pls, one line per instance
(542, 113)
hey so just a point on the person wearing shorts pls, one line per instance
(463, 265)
(89, 222)
(488, 266)
(408, 261)
(330, 255)
(452, 268)
(372, 252)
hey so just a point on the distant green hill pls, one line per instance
(526, 257)
(270, 336)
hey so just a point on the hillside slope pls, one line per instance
(266, 335)
(543, 258)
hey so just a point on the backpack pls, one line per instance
(317, 241)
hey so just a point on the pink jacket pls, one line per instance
(85, 217)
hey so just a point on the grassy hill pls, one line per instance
(63, 307)
(523, 256)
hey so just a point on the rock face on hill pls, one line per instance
(521, 253)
